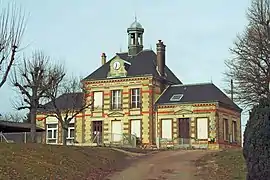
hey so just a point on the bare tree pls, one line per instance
(12, 26)
(249, 66)
(66, 102)
(13, 117)
(32, 79)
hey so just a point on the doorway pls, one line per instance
(97, 131)
(184, 130)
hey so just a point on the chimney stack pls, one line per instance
(103, 58)
(161, 58)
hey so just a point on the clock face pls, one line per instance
(116, 65)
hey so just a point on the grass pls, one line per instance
(222, 165)
(38, 161)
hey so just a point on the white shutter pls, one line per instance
(166, 128)
(98, 97)
(116, 131)
(202, 128)
(136, 128)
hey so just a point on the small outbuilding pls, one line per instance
(18, 132)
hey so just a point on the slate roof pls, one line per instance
(65, 101)
(197, 93)
(143, 63)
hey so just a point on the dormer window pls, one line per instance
(176, 97)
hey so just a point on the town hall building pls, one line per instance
(135, 94)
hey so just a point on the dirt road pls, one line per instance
(169, 165)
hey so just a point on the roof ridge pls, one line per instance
(193, 84)
(121, 52)
(148, 50)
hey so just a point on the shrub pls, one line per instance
(256, 148)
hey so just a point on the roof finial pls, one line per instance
(120, 48)
(211, 80)
(151, 47)
(135, 17)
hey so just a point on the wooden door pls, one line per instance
(184, 130)
(97, 131)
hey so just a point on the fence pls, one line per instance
(123, 140)
(20, 137)
(182, 143)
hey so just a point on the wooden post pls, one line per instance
(25, 137)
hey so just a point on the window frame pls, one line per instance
(226, 129)
(135, 98)
(116, 105)
(53, 133)
(234, 131)
(71, 126)
(176, 99)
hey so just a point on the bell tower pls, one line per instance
(135, 38)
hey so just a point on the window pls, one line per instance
(135, 98)
(234, 131)
(116, 99)
(176, 97)
(202, 128)
(52, 130)
(98, 100)
(166, 129)
(71, 131)
(226, 129)
(132, 38)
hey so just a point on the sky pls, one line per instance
(197, 34)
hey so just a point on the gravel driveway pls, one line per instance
(170, 165)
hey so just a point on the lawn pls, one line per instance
(37, 161)
(223, 165)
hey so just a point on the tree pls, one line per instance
(249, 66)
(31, 79)
(66, 101)
(13, 117)
(257, 142)
(12, 26)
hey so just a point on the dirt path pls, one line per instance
(169, 165)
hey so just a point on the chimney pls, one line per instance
(103, 58)
(161, 57)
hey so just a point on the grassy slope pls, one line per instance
(224, 165)
(36, 161)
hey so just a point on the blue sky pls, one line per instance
(197, 34)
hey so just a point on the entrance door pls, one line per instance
(184, 124)
(116, 131)
(135, 128)
(97, 131)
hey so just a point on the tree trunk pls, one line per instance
(64, 133)
(33, 115)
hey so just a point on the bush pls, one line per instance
(256, 148)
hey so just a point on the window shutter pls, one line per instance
(98, 98)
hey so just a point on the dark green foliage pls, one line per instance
(256, 149)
